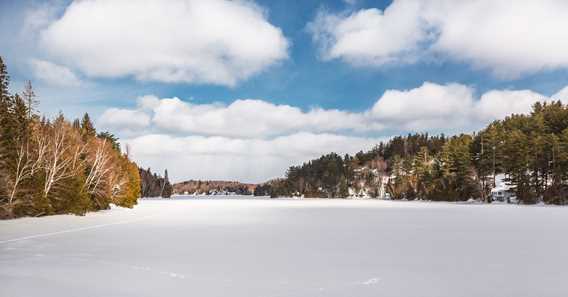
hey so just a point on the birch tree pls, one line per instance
(61, 157)
(99, 167)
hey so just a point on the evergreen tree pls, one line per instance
(516, 163)
(113, 140)
(6, 130)
(29, 97)
(167, 188)
(87, 128)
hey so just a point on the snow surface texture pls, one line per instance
(256, 247)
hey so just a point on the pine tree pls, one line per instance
(77, 125)
(397, 185)
(87, 128)
(20, 118)
(167, 188)
(29, 97)
(113, 140)
(422, 172)
(516, 162)
(6, 131)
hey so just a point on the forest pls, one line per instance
(531, 150)
(57, 166)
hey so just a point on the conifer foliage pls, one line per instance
(531, 151)
(153, 185)
(52, 167)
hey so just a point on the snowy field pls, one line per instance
(249, 248)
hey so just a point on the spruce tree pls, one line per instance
(87, 128)
(6, 128)
(516, 162)
(29, 97)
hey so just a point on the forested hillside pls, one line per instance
(530, 150)
(57, 166)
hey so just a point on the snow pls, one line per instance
(309, 247)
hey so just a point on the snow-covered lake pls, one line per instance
(232, 247)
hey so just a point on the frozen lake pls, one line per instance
(229, 247)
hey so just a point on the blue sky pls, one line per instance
(376, 67)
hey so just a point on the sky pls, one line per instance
(241, 90)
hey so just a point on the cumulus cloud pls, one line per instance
(250, 118)
(243, 118)
(430, 106)
(124, 119)
(497, 104)
(192, 41)
(452, 108)
(249, 160)
(254, 140)
(370, 36)
(510, 38)
(54, 74)
(562, 95)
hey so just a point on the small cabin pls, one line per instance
(502, 195)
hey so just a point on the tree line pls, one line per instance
(213, 187)
(530, 150)
(57, 166)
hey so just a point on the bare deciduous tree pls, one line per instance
(22, 171)
(57, 162)
(99, 167)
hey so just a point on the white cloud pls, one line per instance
(452, 108)
(369, 36)
(510, 38)
(498, 104)
(249, 160)
(215, 41)
(124, 119)
(430, 106)
(148, 102)
(562, 95)
(253, 140)
(54, 74)
(250, 118)
(38, 16)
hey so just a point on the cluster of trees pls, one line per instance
(213, 187)
(56, 166)
(447, 175)
(330, 176)
(531, 150)
(264, 189)
(153, 185)
(327, 176)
